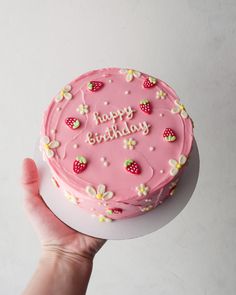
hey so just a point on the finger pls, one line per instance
(30, 178)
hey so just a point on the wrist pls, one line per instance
(58, 255)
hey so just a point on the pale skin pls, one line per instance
(67, 256)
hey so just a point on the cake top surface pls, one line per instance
(116, 133)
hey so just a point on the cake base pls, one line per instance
(129, 228)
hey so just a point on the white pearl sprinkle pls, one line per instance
(127, 92)
(106, 164)
(110, 80)
(161, 115)
(53, 131)
(106, 103)
(102, 159)
(161, 171)
(58, 109)
(75, 146)
(152, 148)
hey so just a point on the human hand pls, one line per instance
(54, 235)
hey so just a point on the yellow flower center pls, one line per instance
(182, 107)
(130, 71)
(178, 165)
(101, 218)
(46, 146)
(99, 196)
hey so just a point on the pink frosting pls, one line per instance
(152, 152)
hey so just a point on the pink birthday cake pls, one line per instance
(116, 141)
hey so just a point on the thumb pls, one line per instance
(30, 178)
(30, 183)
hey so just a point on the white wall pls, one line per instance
(189, 44)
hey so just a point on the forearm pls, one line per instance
(60, 274)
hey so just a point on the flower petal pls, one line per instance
(136, 74)
(68, 95)
(123, 71)
(54, 144)
(182, 159)
(67, 88)
(91, 191)
(173, 162)
(45, 139)
(175, 110)
(101, 189)
(59, 97)
(174, 171)
(139, 193)
(177, 102)
(184, 114)
(107, 195)
(49, 153)
(129, 77)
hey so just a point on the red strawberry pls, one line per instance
(149, 82)
(73, 123)
(114, 211)
(80, 164)
(169, 134)
(95, 85)
(132, 166)
(145, 106)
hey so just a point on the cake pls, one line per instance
(116, 141)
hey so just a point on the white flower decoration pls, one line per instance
(130, 74)
(179, 109)
(161, 94)
(100, 193)
(129, 143)
(102, 218)
(47, 145)
(64, 93)
(176, 165)
(142, 190)
(83, 109)
(71, 198)
(146, 208)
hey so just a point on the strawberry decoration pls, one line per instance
(145, 106)
(80, 164)
(149, 82)
(114, 211)
(95, 85)
(169, 134)
(132, 166)
(73, 123)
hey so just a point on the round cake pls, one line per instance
(116, 141)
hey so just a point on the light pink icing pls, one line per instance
(151, 151)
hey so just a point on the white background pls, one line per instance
(189, 44)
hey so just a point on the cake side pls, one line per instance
(116, 140)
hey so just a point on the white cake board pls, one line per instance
(134, 227)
